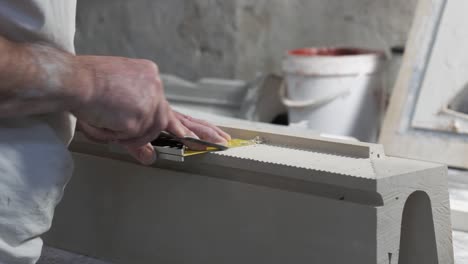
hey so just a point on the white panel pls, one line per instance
(447, 72)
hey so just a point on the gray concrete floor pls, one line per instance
(460, 245)
(57, 256)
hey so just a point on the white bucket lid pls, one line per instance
(333, 61)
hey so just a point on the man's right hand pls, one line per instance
(124, 99)
(124, 102)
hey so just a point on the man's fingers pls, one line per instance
(204, 132)
(103, 134)
(97, 134)
(223, 134)
(160, 121)
(150, 135)
(217, 129)
(177, 128)
(145, 154)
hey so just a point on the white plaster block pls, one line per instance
(295, 199)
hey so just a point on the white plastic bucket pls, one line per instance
(336, 91)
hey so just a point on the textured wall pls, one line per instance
(191, 38)
(235, 38)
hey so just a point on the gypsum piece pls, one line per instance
(292, 199)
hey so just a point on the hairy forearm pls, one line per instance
(36, 79)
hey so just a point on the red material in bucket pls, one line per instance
(333, 61)
(311, 52)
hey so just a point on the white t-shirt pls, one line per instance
(35, 164)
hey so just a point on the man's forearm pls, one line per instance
(37, 79)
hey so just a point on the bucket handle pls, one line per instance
(312, 102)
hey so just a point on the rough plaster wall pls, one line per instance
(235, 38)
(178, 34)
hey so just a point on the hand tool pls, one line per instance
(170, 147)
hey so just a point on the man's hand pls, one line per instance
(115, 99)
(125, 103)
